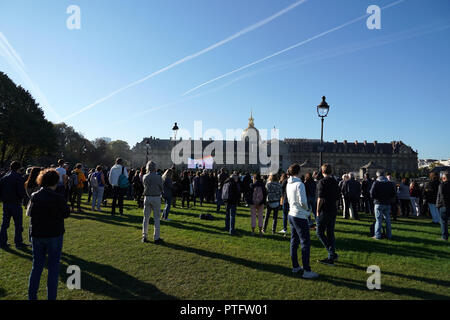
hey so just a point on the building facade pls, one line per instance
(345, 156)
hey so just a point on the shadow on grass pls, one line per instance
(2, 292)
(236, 260)
(106, 280)
(409, 277)
(114, 220)
(361, 285)
(102, 279)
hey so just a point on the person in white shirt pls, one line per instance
(118, 193)
(298, 218)
(62, 172)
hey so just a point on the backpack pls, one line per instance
(257, 195)
(206, 216)
(94, 181)
(226, 191)
(372, 230)
(124, 183)
(73, 181)
(273, 192)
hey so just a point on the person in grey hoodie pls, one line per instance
(153, 187)
(298, 218)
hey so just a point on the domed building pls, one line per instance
(251, 130)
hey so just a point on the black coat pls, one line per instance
(48, 211)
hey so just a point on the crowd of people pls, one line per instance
(307, 203)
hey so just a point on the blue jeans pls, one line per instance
(300, 234)
(97, 197)
(382, 211)
(230, 217)
(285, 214)
(444, 222)
(42, 247)
(168, 201)
(434, 212)
(11, 211)
(325, 224)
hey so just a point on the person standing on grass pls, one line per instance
(328, 194)
(284, 202)
(298, 218)
(430, 193)
(31, 185)
(77, 191)
(366, 185)
(167, 193)
(230, 195)
(404, 197)
(47, 210)
(352, 192)
(274, 193)
(382, 192)
(443, 204)
(257, 199)
(62, 183)
(98, 188)
(221, 180)
(153, 188)
(115, 173)
(311, 186)
(344, 198)
(12, 192)
(198, 189)
(414, 193)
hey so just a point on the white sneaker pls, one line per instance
(282, 231)
(310, 275)
(297, 270)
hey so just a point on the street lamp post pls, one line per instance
(322, 112)
(175, 130)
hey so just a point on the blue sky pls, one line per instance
(384, 85)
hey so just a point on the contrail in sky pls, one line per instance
(192, 56)
(15, 61)
(301, 43)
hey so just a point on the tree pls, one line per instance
(24, 131)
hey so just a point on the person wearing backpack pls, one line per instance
(274, 193)
(230, 195)
(97, 182)
(298, 218)
(257, 199)
(118, 178)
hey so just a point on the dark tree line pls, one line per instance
(27, 136)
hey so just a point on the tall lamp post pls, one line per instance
(322, 112)
(175, 130)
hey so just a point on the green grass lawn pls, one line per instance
(201, 261)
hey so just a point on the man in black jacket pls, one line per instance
(443, 204)
(382, 193)
(352, 191)
(232, 190)
(12, 191)
(366, 185)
